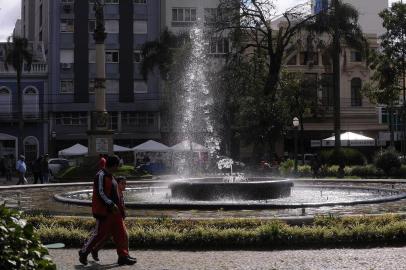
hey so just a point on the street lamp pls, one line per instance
(295, 123)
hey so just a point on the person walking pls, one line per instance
(8, 167)
(36, 170)
(121, 182)
(21, 168)
(45, 169)
(108, 215)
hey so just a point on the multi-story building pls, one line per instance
(357, 113)
(369, 20)
(66, 29)
(34, 87)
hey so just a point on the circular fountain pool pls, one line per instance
(301, 196)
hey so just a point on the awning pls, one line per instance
(151, 146)
(186, 147)
(350, 139)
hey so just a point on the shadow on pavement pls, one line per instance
(93, 265)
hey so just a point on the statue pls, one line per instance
(99, 32)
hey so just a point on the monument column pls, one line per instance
(100, 135)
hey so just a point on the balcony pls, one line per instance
(36, 69)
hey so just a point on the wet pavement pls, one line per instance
(354, 259)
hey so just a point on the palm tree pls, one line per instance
(340, 23)
(18, 53)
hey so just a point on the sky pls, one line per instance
(10, 12)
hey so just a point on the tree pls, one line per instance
(383, 88)
(340, 23)
(18, 53)
(394, 48)
(263, 45)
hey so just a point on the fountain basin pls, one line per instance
(211, 191)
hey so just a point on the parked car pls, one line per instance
(57, 164)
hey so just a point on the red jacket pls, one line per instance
(105, 195)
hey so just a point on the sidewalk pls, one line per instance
(379, 258)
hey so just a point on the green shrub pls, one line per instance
(346, 156)
(368, 171)
(325, 231)
(20, 247)
(286, 167)
(304, 170)
(388, 161)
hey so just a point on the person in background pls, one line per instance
(121, 161)
(36, 170)
(108, 210)
(45, 169)
(21, 168)
(102, 162)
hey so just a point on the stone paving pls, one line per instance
(354, 259)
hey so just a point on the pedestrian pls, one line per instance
(36, 170)
(108, 212)
(102, 162)
(315, 166)
(121, 182)
(121, 162)
(21, 168)
(45, 169)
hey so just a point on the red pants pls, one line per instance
(112, 225)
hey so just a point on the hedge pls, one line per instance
(235, 233)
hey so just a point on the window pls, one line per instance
(66, 59)
(216, 15)
(219, 46)
(5, 101)
(292, 61)
(140, 87)
(111, 26)
(30, 102)
(112, 86)
(66, 86)
(356, 56)
(91, 86)
(309, 58)
(91, 25)
(184, 14)
(67, 25)
(111, 1)
(71, 119)
(112, 57)
(40, 15)
(356, 96)
(137, 56)
(92, 56)
(327, 90)
(67, 1)
(113, 120)
(138, 119)
(140, 27)
(140, 1)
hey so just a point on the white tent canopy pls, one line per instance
(185, 147)
(350, 139)
(118, 148)
(81, 150)
(75, 150)
(151, 146)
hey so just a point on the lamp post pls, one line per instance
(296, 124)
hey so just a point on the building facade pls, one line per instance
(65, 27)
(34, 87)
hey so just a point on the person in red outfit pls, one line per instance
(121, 181)
(102, 162)
(109, 212)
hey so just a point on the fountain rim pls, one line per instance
(243, 206)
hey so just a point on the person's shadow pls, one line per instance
(94, 266)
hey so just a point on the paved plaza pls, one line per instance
(376, 258)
